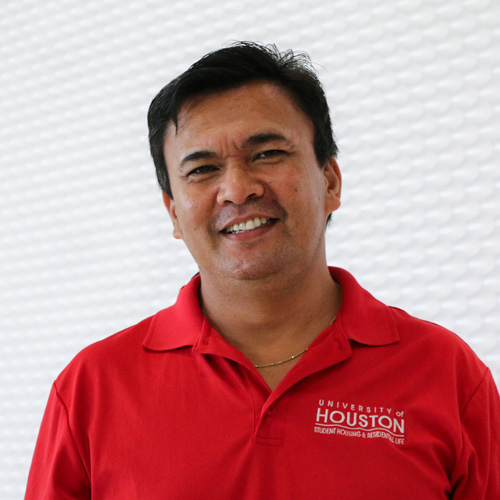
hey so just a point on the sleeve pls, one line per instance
(57, 470)
(477, 475)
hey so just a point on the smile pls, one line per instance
(248, 225)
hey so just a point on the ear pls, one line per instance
(170, 206)
(333, 182)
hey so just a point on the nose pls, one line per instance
(238, 185)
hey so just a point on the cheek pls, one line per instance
(308, 190)
(192, 215)
(310, 201)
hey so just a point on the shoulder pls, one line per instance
(434, 336)
(117, 352)
(438, 353)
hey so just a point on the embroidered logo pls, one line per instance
(366, 422)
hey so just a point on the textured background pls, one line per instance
(85, 244)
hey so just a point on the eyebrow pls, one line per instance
(197, 155)
(263, 138)
(253, 140)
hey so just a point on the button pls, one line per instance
(271, 411)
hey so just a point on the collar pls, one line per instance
(362, 318)
(179, 325)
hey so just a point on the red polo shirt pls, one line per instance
(382, 405)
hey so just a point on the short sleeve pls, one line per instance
(477, 475)
(57, 471)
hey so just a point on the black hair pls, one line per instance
(232, 67)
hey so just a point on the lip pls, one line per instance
(244, 218)
(253, 234)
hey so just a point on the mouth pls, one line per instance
(249, 225)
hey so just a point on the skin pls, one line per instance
(237, 155)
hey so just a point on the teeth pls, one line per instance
(247, 225)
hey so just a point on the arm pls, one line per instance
(477, 475)
(57, 470)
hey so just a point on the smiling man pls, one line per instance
(273, 375)
(251, 203)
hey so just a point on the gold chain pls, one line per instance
(291, 357)
(282, 362)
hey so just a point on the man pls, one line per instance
(273, 376)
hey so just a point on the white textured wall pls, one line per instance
(85, 245)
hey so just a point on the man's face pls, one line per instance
(249, 199)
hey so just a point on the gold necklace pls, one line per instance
(276, 363)
(282, 362)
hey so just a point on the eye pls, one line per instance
(203, 169)
(270, 153)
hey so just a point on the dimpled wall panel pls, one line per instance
(86, 247)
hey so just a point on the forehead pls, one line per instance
(235, 114)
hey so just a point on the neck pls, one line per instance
(272, 319)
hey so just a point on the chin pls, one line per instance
(251, 271)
